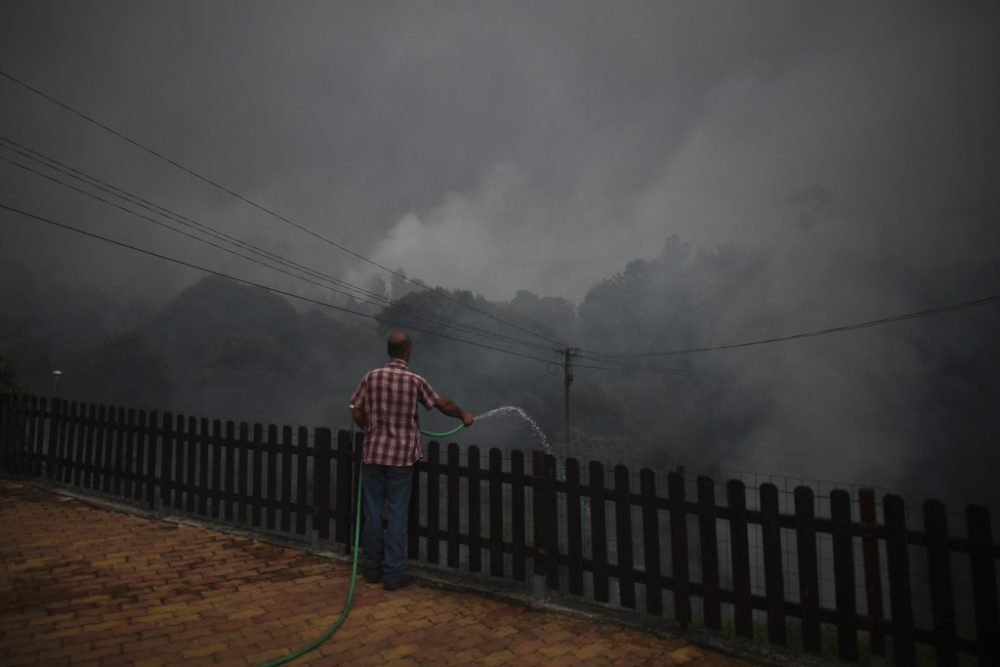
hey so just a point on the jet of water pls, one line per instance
(508, 410)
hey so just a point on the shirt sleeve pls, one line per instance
(425, 393)
(360, 394)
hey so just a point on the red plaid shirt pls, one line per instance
(388, 397)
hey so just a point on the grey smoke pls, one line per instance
(518, 146)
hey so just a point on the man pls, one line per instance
(385, 406)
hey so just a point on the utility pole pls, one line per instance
(568, 353)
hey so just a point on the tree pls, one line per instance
(8, 378)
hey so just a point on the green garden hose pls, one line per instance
(442, 434)
(350, 595)
(354, 571)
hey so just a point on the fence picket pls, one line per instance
(271, 468)
(30, 460)
(679, 549)
(5, 438)
(475, 515)
(898, 560)
(286, 479)
(258, 474)
(550, 532)
(537, 513)
(55, 427)
(623, 532)
(773, 575)
(166, 460)
(204, 438)
(651, 542)
(939, 574)
(740, 546)
(984, 585)
(302, 477)
(180, 450)
(89, 469)
(194, 437)
(59, 468)
(52, 445)
(117, 460)
(496, 513)
(131, 463)
(151, 446)
(124, 484)
(324, 452)
(80, 444)
(805, 542)
(111, 439)
(517, 515)
(873, 571)
(599, 541)
(843, 575)
(453, 506)
(41, 439)
(413, 519)
(433, 502)
(574, 529)
(50, 417)
(355, 463)
(709, 553)
(342, 493)
(217, 445)
(231, 451)
(242, 472)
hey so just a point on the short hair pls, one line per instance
(398, 344)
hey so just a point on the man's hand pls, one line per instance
(358, 416)
(448, 407)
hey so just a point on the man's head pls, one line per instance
(400, 346)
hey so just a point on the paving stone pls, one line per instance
(82, 585)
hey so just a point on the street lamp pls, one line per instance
(55, 382)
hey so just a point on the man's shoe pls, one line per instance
(403, 582)
(372, 578)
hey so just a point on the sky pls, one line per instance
(498, 147)
(505, 146)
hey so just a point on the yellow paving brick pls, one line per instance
(152, 618)
(499, 658)
(246, 613)
(555, 650)
(51, 618)
(399, 652)
(56, 634)
(206, 650)
(112, 589)
(156, 661)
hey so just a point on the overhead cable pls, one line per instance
(975, 303)
(252, 283)
(356, 292)
(441, 293)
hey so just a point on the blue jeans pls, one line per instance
(388, 488)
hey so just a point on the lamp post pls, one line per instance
(55, 382)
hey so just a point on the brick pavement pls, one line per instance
(81, 585)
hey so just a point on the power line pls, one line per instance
(927, 407)
(264, 209)
(366, 295)
(811, 334)
(608, 355)
(252, 283)
(291, 294)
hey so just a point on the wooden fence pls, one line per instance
(592, 539)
